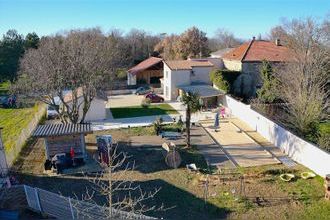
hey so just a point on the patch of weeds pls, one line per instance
(247, 204)
(277, 171)
(268, 180)
(140, 131)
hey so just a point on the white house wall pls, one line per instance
(233, 65)
(201, 75)
(131, 79)
(173, 79)
(96, 112)
(298, 149)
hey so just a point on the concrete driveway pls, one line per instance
(124, 100)
(241, 149)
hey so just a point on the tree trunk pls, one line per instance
(188, 125)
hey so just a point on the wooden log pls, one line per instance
(173, 159)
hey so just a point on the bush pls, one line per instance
(224, 79)
(158, 125)
(121, 74)
(324, 135)
(145, 102)
(268, 93)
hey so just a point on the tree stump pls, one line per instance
(173, 159)
(171, 155)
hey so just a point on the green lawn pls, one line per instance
(139, 111)
(13, 121)
(4, 87)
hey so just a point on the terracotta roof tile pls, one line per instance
(187, 64)
(258, 50)
(145, 65)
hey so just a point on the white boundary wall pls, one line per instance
(298, 149)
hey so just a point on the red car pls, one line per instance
(154, 98)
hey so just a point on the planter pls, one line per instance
(287, 177)
(307, 175)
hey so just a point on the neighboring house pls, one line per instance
(248, 57)
(188, 75)
(148, 71)
(97, 110)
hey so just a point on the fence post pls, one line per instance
(37, 198)
(72, 213)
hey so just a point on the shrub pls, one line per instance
(268, 92)
(158, 125)
(145, 102)
(324, 135)
(121, 74)
(224, 79)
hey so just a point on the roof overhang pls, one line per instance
(204, 91)
(61, 130)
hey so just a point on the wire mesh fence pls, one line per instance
(59, 206)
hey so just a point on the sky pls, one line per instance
(245, 18)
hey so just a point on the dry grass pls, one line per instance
(264, 196)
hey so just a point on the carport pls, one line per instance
(209, 96)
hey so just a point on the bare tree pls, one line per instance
(124, 196)
(82, 62)
(304, 81)
(223, 39)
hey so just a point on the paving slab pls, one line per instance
(275, 151)
(240, 147)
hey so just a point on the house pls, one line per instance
(189, 75)
(248, 57)
(97, 110)
(148, 71)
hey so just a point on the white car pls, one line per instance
(52, 112)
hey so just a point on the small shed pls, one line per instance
(60, 138)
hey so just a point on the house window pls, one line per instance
(166, 91)
(166, 74)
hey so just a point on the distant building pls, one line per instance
(248, 57)
(149, 71)
(220, 53)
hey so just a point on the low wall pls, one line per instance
(298, 149)
(12, 154)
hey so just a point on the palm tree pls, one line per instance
(192, 103)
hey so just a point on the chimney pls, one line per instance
(278, 42)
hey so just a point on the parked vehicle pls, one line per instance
(142, 90)
(8, 101)
(52, 112)
(154, 98)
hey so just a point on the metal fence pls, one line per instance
(60, 206)
(25, 134)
